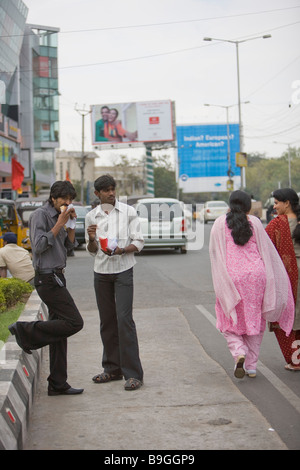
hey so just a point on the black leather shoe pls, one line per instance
(68, 391)
(13, 328)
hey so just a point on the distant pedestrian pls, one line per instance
(250, 283)
(113, 282)
(50, 240)
(15, 259)
(284, 231)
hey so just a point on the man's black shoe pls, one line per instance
(68, 391)
(13, 328)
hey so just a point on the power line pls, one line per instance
(109, 28)
(272, 135)
(159, 54)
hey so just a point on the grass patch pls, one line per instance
(8, 317)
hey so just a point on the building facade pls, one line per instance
(68, 165)
(29, 112)
(39, 111)
(13, 14)
(130, 179)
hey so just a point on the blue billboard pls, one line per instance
(203, 156)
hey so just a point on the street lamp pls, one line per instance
(289, 160)
(265, 36)
(83, 113)
(227, 123)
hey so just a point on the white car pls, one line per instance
(162, 222)
(212, 210)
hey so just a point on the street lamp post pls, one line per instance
(227, 124)
(289, 160)
(265, 36)
(83, 113)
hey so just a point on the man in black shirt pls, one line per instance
(52, 233)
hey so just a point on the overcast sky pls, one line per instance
(141, 50)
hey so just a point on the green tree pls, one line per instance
(164, 177)
(265, 175)
(164, 183)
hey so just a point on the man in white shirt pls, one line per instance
(15, 259)
(113, 282)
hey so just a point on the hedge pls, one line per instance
(12, 290)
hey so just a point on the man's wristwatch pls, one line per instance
(123, 251)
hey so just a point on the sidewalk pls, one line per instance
(187, 401)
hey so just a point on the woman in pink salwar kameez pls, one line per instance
(250, 282)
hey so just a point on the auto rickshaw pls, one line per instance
(25, 206)
(10, 221)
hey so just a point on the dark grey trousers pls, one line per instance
(114, 294)
(64, 321)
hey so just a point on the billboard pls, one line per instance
(204, 156)
(147, 121)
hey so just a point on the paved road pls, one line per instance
(185, 281)
(174, 310)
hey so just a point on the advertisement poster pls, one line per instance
(205, 160)
(149, 121)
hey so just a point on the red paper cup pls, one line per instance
(103, 243)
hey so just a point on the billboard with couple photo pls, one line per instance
(148, 121)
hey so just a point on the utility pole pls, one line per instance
(83, 112)
(265, 36)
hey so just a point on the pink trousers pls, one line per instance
(244, 345)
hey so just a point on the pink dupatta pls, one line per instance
(278, 303)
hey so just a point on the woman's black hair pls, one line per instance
(288, 194)
(62, 189)
(236, 218)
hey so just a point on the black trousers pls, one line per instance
(114, 294)
(64, 321)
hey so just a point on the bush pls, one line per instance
(12, 290)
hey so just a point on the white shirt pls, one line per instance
(121, 223)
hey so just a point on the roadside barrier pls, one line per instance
(19, 375)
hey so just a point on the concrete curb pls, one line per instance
(19, 374)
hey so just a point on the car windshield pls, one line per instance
(7, 211)
(159, 211)
(217, 204)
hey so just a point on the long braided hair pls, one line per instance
(236, 218)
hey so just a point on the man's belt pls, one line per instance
(50, 271)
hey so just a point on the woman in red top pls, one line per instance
(113, 129)
(284, 232)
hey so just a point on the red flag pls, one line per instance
(67, 176)
(17, 174)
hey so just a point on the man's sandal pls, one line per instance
(133, 384)
(105, 377)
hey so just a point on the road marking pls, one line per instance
(207, 314)
(282, 388)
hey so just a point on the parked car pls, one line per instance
(81, 212)
(187, 215)
(162, 222)
(212, 210)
